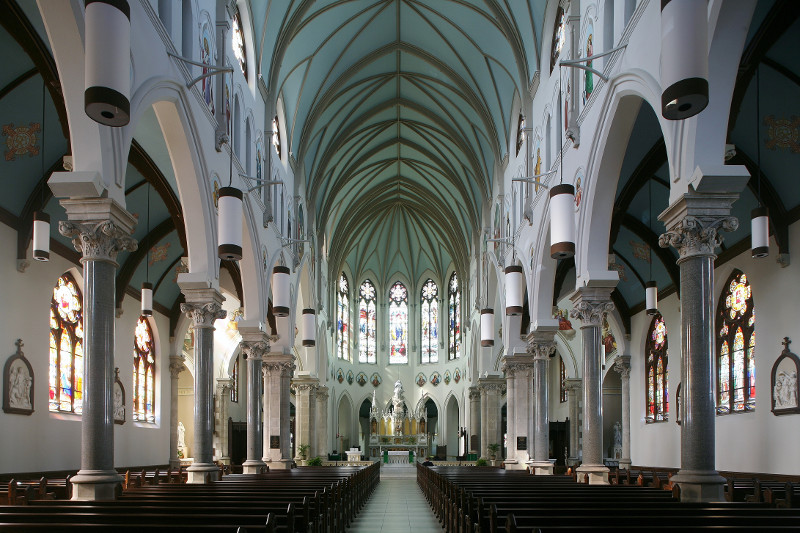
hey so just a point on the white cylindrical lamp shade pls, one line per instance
(230, 224)
(514, 290)
(759, 232)
(147, 299)
(41, 236)
(651, 297)
(108, 62)
(487, 327)
(280, 291)
(562, 221)
(684, 58)
(309, 327)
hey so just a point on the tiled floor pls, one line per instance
(396, 506)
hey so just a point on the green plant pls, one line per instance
(481, 462)
(493, 449)
(302, 449)
(314, 461)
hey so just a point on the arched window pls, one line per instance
(343, 319)
(238, 44)
(144, 373)
(656, 371)
(559, 37)
(398, 324)
(429, 322)
(454, 316)
(366, 323)
(562, 390)
(736, 345)
(66, 347)
(276, 136)
(235, 381)
(520, 132)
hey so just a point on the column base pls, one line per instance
(598, 474)
(201, 473)
(513, 464)
(280, 464)
(625, 463)
(700, 485)
(253, 466)
(541, 468)
(174, 463)
(95, 485)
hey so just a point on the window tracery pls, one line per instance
(656, 371)
(66, 347)
(398, 324)
(144, 372)
(736, 345)
(366, 323)
(429, 322)
(238, 44)
(454, 316)
(343, 319)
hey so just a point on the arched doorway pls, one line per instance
(433, 424)
(344, 430)
(363, 424)
(452, 427)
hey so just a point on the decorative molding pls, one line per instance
(254, 349)
(622, 365)
(98, 241)
(541, 349)
(176, 365)
(784, 393)
(18, 383)
(203, 315)
(591, 312)
(697, 236)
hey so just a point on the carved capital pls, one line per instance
(176, 366)
(622, 364)
(278, 368)
(541, 350)
(591, 312)
(203, 315)
(98, 241)
(491, 387)
(254, 349)
(697, 236)
(573, 385)
(322, 393)
(474, 394)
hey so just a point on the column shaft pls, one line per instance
(321, 444)
(175, 368)
(573, 386)
(541, 347)
(622, 365)
(223, 392)
(254, 345)
(277, 370)
(474, 420)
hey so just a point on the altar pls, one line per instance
(396, 457)
(397, 430)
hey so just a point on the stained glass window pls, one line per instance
(429, 322)
(235, 382)
(238, 44)
(657, 372)
(562, 382)
(559, 37)
(398, 324)
(454, 318)
(144, 373)
(343, 319)
(736, 345)
(520, 132)
(366, 323)
(276, 136)
(66, 347)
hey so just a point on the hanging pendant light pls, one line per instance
(280, 291)
(684, 58)
(107, 77)
(514, 290)
(759, 232)
(487, 327)
(147, 299)
(651, 287)
(230, 224)
(562, 221)
(651, 297)
(309, 327)
(41, 236)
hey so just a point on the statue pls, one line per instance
(20, 388)
(374, 427)
(398, 390)
(119, 406)
(181, 436)
(617, 434)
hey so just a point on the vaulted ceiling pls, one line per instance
(397, 112)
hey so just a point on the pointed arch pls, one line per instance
(429, 322)
(367, 322)
(144, 372)
(656, 372)
(398, 323)
(453, 318)
(736, 345)
(343, 318)
(66, 346)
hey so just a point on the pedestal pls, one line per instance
(277, 370)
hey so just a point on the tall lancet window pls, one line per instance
(276, 135)
(559, 37)
(454, 318)
(343, 319)
(66, 347)
(656, 369)
(398, 324)
(366, 323)
(144, 373)
(238, 44)
(429, 320)
(736, 346)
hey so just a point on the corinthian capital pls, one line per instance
(176, 366)
(697, 236)
(254, 349)
(591, 312)
(203, 315)
(541, 348)
(278, 368)
(98, 241)
(622, 364)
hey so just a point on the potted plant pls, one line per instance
(314, 461)
(493, 449)
(302, 451)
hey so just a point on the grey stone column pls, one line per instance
(590, 305)
(574, 387)
(511, 421)
(305, 408)
(278, 370)
(254, 346)
(622, 364)
(224, 395)
(491, 389)
(474, 420)
(176, 366)
(100, 228)
(693, 226)
(542, 347)
(519, 377)
(203, 306)
(321, 446)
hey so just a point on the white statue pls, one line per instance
(785, 391)
(119, 407)
(181, 436)
(617, 434)
(19, 382)
(398, 389)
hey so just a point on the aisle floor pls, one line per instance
(396, 506)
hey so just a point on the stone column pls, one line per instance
(622, 364)
(224, 395)
(474, 420)
(574, 387)
(254, 345)
(519, 377)
(693, 226)
(491, 429)
(100, 228)
(278, 370)
(305, 407)
(321, 445)
(542, 347)
(203, 306)
(590, 305)
(175, 368)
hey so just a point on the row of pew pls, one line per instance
(307, 500)
(489, 500)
